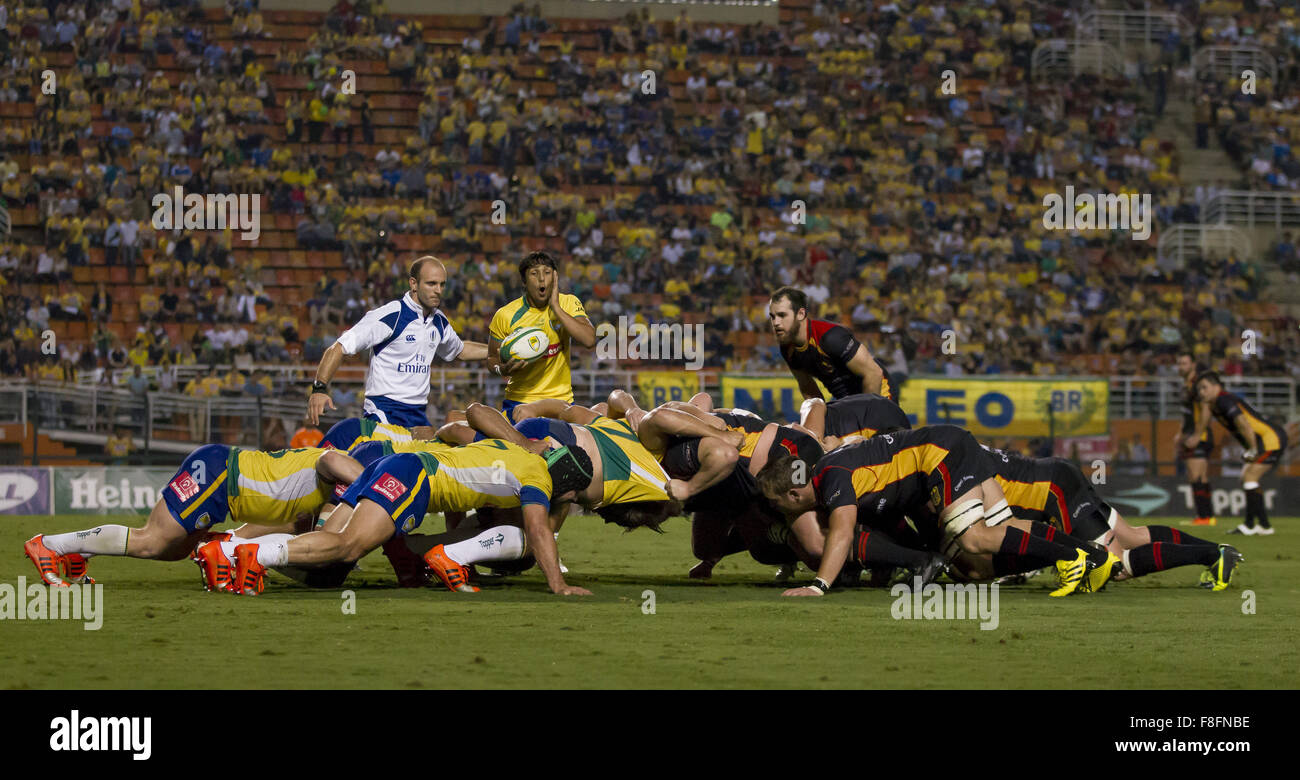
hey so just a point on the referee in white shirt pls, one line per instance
(403, 336)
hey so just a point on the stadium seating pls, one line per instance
(923, 208)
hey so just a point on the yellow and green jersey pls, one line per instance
(271, 488)
(630, 472)
(346, 434)
(547, 376)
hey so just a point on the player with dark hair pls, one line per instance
(1263, 441)
(816, 350)
(939, 471)
(559, 315)
(1195, 443)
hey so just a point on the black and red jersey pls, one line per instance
(901, 471)
(863, 415)
(826, 356)
(1227, 407)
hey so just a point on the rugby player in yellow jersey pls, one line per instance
(625, 473)
(393, 494)
(560, 316)
(627, 488)
(215, 483)
(1263, 441)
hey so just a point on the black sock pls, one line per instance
(1163, 533)
(1034, 552)
(1255, 508)
(1096, 553)
(1159, 556)
(873, 548)
(1201, 498)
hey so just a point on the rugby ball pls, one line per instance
(525, 344)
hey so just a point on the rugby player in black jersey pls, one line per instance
(939, 468)
(1263, 441)
(821, 351)
(1194, 450)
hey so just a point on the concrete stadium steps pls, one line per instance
(49, 451)
(1196, 166)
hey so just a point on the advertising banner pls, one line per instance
(773, 398)
(1137, 497)
(659, 386)
(1011, 407)
(108, 490)
(24, 491)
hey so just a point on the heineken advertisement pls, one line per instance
(107, 490)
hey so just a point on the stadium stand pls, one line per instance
(923, 208)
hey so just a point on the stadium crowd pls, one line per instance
(825, 153)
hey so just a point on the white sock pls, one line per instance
(502, 543)
(273, 553)
(228, 547)
(101, 540)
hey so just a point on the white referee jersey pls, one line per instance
(402, 344)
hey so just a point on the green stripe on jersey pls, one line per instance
(615, 462)
(232, 473)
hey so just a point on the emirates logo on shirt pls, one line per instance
(389, 487)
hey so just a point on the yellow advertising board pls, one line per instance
(659, 386)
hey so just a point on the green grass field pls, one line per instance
(161, 630)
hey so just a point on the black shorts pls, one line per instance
(682, 458)
(1074, 506)
(965, 467)
(682, 461)
(795, 443)
(1203, 449)
(1271, 457)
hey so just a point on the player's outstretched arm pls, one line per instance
(865, 366)
(836, 551)
(492, 424)
(661, 423)
(809, 535)
(717, 460)
(329, 365)
(456, 433)
(807, 385)
(547, 407)
(338, 468)
(576, 415)
(812, 416)
(541, 541)
(473, 350)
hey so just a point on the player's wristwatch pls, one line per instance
(819, 584)
(319, 387)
